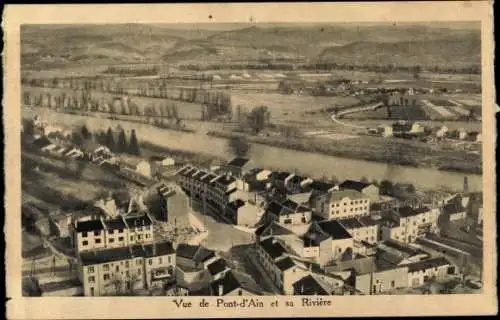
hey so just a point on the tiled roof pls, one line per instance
(452, 208)
(321, 186)
(273, 248)
(334, 229)
(115, 224)
(228, 284)
(89, 225)
(42, 142)
(427, 264)
(408, 211)
(341, 194)
(186, 250)
(285, 264)
(351, 223)
(104, 256)
(308, 285)
(158, 249)
(354, 185)
(125, 253)
(280, 175)
(238, 162)
(225, 180)
(139, 221)
(370, 221)
(217, 266)
(208, 177)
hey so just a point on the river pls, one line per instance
(313, 164)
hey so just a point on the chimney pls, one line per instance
(221, 289)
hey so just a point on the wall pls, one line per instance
(382, 280)
(162, 263)
(94, 240)
(290, 276)
(347, 207)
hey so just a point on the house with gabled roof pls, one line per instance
(288, 212)
(230, 285)
(368, 189)
(342, 204)
(238, 166)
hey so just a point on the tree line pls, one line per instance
(116, 141)
(135, 70)
(329, 66)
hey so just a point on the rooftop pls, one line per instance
(125, 253)
(321, 186)
(427, 264)
(217, 266)
(334, 229)
(138, 221)
(273, 228)
(285, 264)
(115, 223)
(280, 175)
(452, 208)
(354, 185)
(273, 247)
(89, 225)
(225, 180)
(186, 250)
(308, 285)
(238, 162)
(228, 283)
(408, 211)
(341, 194)
(351, 223)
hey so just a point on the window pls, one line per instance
(117, 268)
(393, 283)
(351, 203)
(139, 271)
(150, 261)
(169, 259)
(126, 264)
(111, 240)
(138, 262)
(97, 240)
(147, 236)
(131, 238)
(91, 269)
(287, 221)
(304, 220)
(127, 273)
(121, 239)
(106, 276)
(120, 230)
(105, 267)
(160, 260)
(340, 249)
(91, 279)
(84, 234)
(139, 237)
(96, 233)
(111, 231)
(92, 291)
(85, 242)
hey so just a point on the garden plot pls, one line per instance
(443, 111)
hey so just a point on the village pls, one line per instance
(164, 226)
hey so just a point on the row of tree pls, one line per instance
(329, 66)
(133, 70)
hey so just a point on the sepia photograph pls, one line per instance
(254, 159)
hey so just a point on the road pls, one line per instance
(352, 110)
(221, 235)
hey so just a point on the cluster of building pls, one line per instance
(315, 237)
(408, 129)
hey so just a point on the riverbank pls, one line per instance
(404, 152)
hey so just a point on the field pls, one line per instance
(289, 107)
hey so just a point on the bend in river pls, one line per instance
(313, 164)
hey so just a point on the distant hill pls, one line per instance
(456, 52)
(346, 43)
